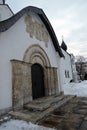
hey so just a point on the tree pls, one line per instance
(79, 66)
(80, 59)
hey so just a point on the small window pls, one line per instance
(67, 74)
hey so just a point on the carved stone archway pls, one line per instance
(35, 54)
(22, 79)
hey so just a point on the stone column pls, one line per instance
(52, 81)
(27, 84)
(49, 80)
(17, 89)
(46, 81)
(21, 83)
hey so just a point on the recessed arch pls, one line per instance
(35, 54)
(22, 85)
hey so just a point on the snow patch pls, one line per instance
(21, 125)
(79, 89)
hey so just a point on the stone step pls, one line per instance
(36, 116)
(43, 103)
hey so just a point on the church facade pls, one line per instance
(32, 64)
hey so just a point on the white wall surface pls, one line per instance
(5, 12)
(1, 1)
(13, 44)
(65, 64)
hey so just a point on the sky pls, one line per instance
(67, 17)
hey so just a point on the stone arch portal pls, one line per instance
(22, 77)
(35, 54)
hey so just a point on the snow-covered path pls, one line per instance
(21, 125)
(79, 89)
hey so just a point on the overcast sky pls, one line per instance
(68, 18)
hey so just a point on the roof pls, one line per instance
(64, 46)
(6, 24)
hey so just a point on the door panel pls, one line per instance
(37, 81)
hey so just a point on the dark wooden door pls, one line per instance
(37, 81)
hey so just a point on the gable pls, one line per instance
(5, 25)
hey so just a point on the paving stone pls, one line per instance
(85, 118)
(51, 121)
(81, 111)
(68, 107)
(84, 102)
(75, 120)
(56, 112)
(83, 126)
(20, 115)
(84, 107)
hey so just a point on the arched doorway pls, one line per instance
(37, 73)
(34, 54)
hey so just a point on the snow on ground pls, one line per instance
(21, 125)
(79, 89)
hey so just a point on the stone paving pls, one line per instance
(59, 112)
(71, 116)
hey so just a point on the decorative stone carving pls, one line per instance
(36, 30)
(35, 53)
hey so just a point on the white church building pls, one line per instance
(32, 63)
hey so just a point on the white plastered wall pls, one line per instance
(65, 65)
(13, 44)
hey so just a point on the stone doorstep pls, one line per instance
(21, 116)
(37, 105)
(40, 106)
(36, 116)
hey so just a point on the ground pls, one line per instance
(79, 89)
(70, 116)
(21, 125)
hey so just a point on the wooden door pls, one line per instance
(37, 81)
